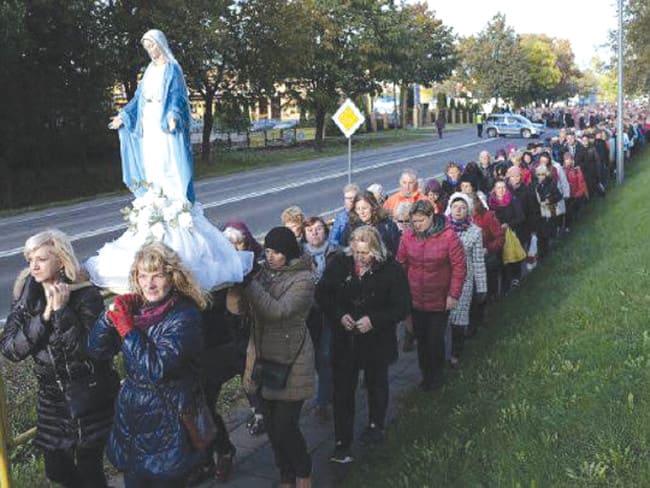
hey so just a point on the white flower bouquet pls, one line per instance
(154, 213)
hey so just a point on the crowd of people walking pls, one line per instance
(321, 304)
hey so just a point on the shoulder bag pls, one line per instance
(272, 374)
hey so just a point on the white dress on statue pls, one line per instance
(163, 212)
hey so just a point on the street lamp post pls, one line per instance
(619, 113)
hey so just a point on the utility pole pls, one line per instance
(620, 159)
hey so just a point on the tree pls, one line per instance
(337, 54)
(56, 89)
(495, 62)
(637, 55)
(416, 47)
(543, 69)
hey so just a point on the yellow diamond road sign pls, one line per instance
(348, 118)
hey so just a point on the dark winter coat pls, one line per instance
(62, 339)
(513, 215)
(388, 231)
(162, 381)
(525, 195)
(435, 268)
(381, 294)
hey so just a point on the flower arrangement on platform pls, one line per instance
(154, 213)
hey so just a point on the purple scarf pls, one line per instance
(152, 313)
(460, 225)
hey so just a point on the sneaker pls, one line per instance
(224, 466)
(372, 435)
(341, 455)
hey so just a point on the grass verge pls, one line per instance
(555, 391)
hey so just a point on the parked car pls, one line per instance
(512, 125)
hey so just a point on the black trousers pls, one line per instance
(76, 468)
(346, 379)
(222, 444)
(429, 329)
(287, 441)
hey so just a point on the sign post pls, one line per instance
(348, 118)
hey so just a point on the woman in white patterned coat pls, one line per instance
(458, 213)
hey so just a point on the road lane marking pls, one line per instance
(105, 230)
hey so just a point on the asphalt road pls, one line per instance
(256, 197)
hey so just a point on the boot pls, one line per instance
(303, 482)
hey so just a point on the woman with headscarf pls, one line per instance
(53, 309)
(433, 191)
(459, 213)
(154, 125)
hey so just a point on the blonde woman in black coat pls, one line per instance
(51, 316)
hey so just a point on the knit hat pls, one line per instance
(433, 185)
(282, 240)
(513, 171)
(460, 196)
(377, 190)
(471, 179)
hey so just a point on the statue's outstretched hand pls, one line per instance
(172, 125)
(115, 123)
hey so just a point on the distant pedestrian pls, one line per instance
(441, 122)
(479, 124)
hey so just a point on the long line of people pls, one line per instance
(319, 303)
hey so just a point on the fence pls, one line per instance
(7, 442)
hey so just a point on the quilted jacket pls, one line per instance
(148, 437)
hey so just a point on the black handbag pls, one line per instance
(88, 394)
(271, 374)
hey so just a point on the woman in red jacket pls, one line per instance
(434, 260)
(493, 238)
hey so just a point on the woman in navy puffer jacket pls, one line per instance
(158, 329)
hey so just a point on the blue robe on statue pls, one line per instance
(157, 167)
(175, 105)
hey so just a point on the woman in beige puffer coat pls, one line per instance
(280, 297)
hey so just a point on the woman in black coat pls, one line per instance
(50, 319)
(364, 295)
(510, 213)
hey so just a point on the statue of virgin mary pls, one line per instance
(154, 132)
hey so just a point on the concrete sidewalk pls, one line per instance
(254, 464)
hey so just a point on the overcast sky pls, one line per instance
(584, 22)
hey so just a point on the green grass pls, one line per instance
(224, 161)
(555, 391)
